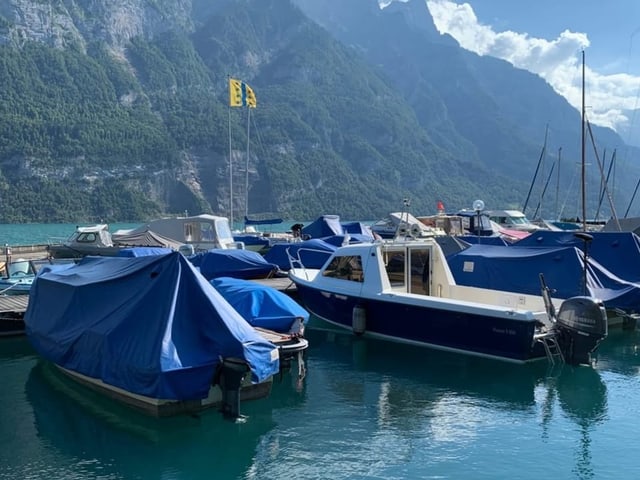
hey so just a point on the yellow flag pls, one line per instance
(241, 94)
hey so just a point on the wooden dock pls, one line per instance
(283, 284)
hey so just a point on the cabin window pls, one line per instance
(345, 268)
(87, 237)
(420, 270)
(188, 232)
(395, 268)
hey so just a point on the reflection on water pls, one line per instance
(104, 436)
(366, 409)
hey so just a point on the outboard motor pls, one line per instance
(232, 374)
(581, 324)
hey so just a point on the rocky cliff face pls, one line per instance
(64, 23)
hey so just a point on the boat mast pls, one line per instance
(535, 175)
(558, 184)
(584, 202)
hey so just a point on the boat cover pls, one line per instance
(357, 228)
(236, 263)
(312, 253)
(618, 252)
(144, 238)
(266, 221)
(323, 226)
(518, 270)
(150, 325)
(260, 305)
(143, 251)
(339, 240)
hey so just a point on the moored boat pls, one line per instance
(404, 291)
(151, 332)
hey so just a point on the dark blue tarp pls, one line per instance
(143, 251)
(357, 228)
(313, 253)
(237, 263)
(260, 305)
(150, 325)
(618, 252)
(266, 221)
(484, 240)
(517, 270)
(323, 226)
(338, 240)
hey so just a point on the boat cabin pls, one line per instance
(513, 220)
(195, 234)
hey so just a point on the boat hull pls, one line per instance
(455, 330)
(163, 408)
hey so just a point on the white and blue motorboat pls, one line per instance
(16, 277)
(404, 291)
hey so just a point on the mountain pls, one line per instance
(119, 111)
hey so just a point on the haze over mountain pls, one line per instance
(548, 37)
(120, 112)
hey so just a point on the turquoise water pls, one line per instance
(366, 410)
(43, 233)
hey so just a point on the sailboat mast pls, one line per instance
(246, 181)
(583, 163)
(558, 184)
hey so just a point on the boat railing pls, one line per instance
(295, 260)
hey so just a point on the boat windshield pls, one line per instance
(20, 267)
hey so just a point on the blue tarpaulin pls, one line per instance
(260, 305)
(237, 263)
(618, 252)
(150, 325)
(143, 251)
(323, 226)
(518, 270)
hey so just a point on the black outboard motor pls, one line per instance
(581, 324)
(232, 374)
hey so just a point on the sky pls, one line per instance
(547, 37)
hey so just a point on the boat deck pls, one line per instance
(13, 303)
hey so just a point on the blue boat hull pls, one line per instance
(449, 330)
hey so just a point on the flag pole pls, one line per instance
(246, 182)
(230, 164)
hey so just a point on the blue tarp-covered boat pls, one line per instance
(238, 263)
(262, 306)
(512, 269)
(151, 326)
(618, 252)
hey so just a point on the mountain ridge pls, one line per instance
(120, 113)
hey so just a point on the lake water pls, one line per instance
(365, 410)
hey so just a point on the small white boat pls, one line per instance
(512, 220)
(404, 291)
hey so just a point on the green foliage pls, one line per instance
(104, 136)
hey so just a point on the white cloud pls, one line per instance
(558, 61)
